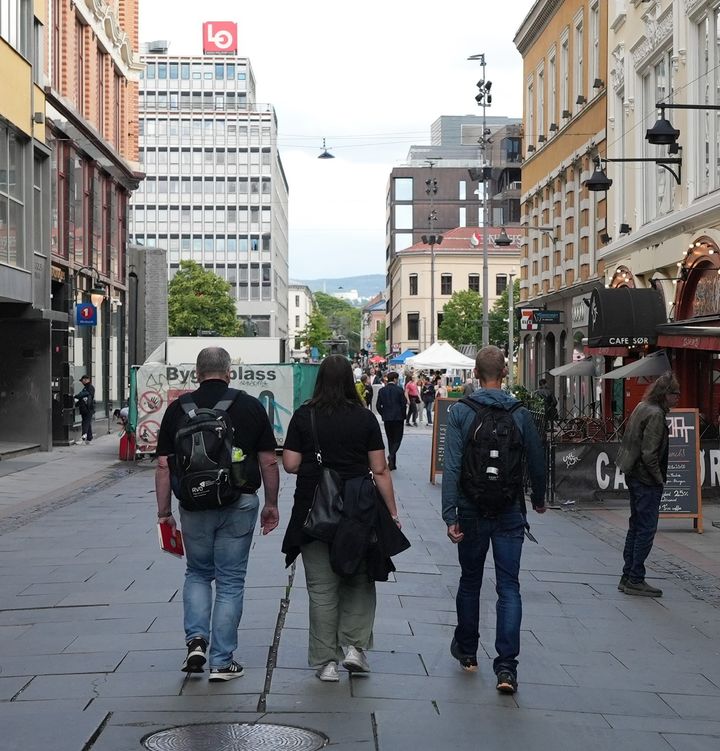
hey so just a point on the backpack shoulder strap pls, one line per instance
(188, 404)
(472, 404)
(228, 398)
(515, 406)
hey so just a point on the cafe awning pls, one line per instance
(624, 317)
(579, 368)
(688, 335)
(654, 364)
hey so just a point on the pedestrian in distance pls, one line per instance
(342, 608)
(491, 439)
(427, 394)
(391, 406)
(468, 387)
(412, 395)
(86, 404)
(367, 390)
(549, 401)
(217, 536)
(643, 457)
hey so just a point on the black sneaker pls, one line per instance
(467, 663)
(641, 588)
(233, 670)
(623, 581)
(506, 682)
(196, 656)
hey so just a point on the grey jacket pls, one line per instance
(643, 454)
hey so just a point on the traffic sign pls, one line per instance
(86, 314)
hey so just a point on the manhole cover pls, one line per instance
(235, 737)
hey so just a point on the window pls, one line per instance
(462, 217)
(297, 322)
(658, 183)
(185, 71)
(403, 240)
(297, 301)
(564, 75)
(531, 133)
(500, 283)
(14, 20)
(101, 91)
(403, 216)
(80, 65)
(413, 284)
(12, 210)
(579, 71)
(162, 71)
(219, 71)
(541, 101)
(413, 326)
(595, 48)
(56, 44)
(403, 188)
(462, 190)
(474, 282)
(552, 91)
(446, 284)
(173, 71)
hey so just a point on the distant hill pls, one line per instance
(367, 285)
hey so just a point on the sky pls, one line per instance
(370, 78)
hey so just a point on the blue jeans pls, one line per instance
(644, 512)
(429, 406)
(217, 546)
(506, 534)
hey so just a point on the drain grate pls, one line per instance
(227, 736)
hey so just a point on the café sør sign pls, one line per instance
(624, 317)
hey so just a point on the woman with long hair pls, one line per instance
(342, 609)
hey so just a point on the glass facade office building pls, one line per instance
(215, 190)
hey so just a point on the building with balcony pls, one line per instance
(564, 48)
(215, 190)
(25, 311)
(91, 89)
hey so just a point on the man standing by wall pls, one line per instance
(217, 540)
(86, 404)
(643, 457)
(473, 528)
(392, 406)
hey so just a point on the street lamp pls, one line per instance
(325, 153)
(599, 181)
(484, 100)
(663, 133)
(97, 292)
(431, 189)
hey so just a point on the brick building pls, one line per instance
(92, 93)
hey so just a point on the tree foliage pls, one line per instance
(316, 332)
(462, 319)
(342, 318)
(499, 315)
(380, 341)
(198, 300)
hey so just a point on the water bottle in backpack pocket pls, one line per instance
(491, 474)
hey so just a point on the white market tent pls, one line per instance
(439, 356)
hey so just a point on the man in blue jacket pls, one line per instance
(392, 407)
(473, 532)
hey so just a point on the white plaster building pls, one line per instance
(300, 306)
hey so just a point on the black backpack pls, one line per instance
(491, 475)
(202, 464)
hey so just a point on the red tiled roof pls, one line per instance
(460, 239)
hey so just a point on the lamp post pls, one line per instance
(484, 100)
(511, 323)
(431, 189)
(97, 292)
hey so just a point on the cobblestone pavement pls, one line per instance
(91, 635)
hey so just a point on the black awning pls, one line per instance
(624, 317)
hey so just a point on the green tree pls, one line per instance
(498, 318)
(316, 332)
(462, 319)
(342, 317)
(380, 341)
(200, 300)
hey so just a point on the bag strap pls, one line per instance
(188, 405)
(316, 443)
(228, 398)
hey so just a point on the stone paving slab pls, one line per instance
(64, 727)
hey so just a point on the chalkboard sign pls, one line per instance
(682, 496)
(440, 418)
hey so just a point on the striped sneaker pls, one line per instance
(196, 656)
(233, 670)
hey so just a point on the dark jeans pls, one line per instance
(86, 429)
(506, 535)
(394, 432)
(412, 413)
(644, 511)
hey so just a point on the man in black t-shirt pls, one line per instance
(217, 541)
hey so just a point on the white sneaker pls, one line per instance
(329, 672)
(355, 661)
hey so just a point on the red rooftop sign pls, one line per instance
(220, 37)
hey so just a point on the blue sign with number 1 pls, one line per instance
(86, 314)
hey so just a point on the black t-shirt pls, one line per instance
(252, 429)
(345, 438)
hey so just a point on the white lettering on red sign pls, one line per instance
(220, 37)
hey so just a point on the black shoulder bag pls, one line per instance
(326, 511)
